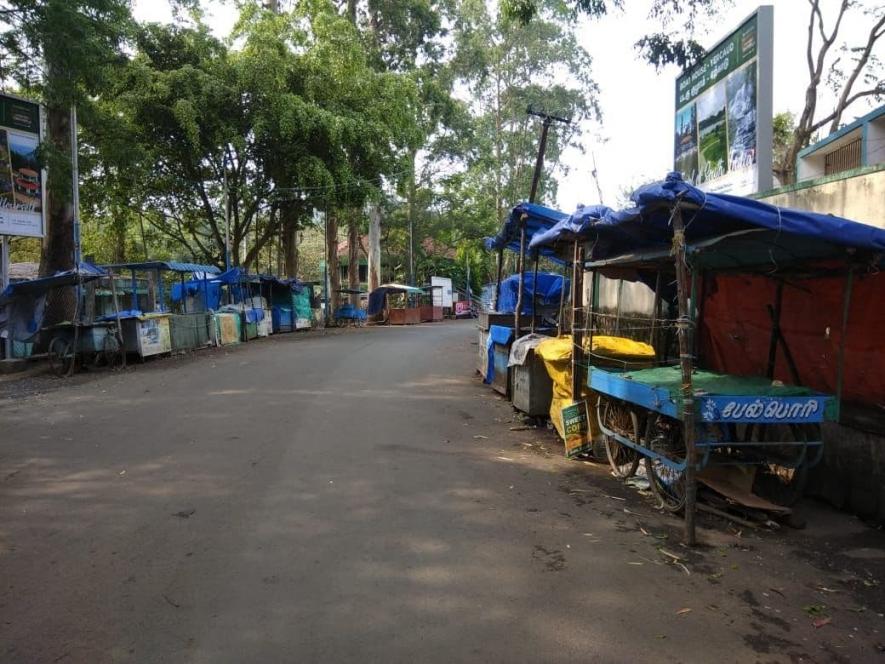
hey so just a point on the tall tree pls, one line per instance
(59, 50)
(855, 73)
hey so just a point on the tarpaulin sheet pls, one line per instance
(549, 291)
(498, 334)
(537, 219)
(520, 348)
(736, 331)
(578, 226)
(802, 234)
(200, 290)
(35, 287)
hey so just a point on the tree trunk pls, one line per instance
(58, 244)
(374, 247)
(353, 255)
(412, 215)
(332, 261)
(289, 229)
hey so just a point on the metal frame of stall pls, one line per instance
(68, 344)
(147, 342)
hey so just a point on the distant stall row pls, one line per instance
(151, 308)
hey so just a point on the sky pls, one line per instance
(634, 143)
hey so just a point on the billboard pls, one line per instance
(722, 139)
(22, 180)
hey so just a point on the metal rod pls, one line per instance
(119, 325)
(498, 280)
(559, 320)
(654, 317)
(684, 326)
(517, 315)
(840, 367)
(775, 314)
(535, 294)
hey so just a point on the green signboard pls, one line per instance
(21, 175)
(723, 112)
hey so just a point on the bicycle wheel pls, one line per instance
(111, 353)
(623, 421)
(667, 483)
(783, 472)
(61, 357)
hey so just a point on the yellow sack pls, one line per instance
(556, 353)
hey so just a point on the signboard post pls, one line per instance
(723, 130)
(22, 181)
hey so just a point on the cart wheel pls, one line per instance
(61, 357)
(668, 484)
(784, 472)
(111, 352)
(620, 419)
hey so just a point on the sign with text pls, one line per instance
(724, 113)
(576, 428)
(21, 178)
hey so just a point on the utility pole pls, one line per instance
(548, 119)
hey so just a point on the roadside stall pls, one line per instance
(81, 341)
(739, 405)
(169, 306)
(429, 310)
(394, 304)
(566, 357)
(540, 296)
(347, 314)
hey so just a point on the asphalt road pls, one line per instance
(361, 497)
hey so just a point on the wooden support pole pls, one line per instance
(577, 322)
(652, 339)
(684, 326)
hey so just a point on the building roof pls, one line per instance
(847, 129)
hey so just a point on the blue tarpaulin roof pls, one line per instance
(741, 232)
(537, 220)
(171, 266)
(34, 287)
(549, 291)
(576, 227)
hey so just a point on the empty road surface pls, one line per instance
(360, 497)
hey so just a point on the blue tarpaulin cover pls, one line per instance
(83, 272)
(171, 266)
(576, 227)
(549, 291)
(758, 232)
(537, 220)
(498, 334)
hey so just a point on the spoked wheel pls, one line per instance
(665, 438)
(61, 357)
(111, 352)
(783, 472)
(623, 421)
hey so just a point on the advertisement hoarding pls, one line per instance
(724, 112)
(22, 181)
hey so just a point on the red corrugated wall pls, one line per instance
(736, 331)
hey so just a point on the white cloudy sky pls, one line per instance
(635, 142)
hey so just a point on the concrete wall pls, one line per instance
(875, 142)
(860, 197)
